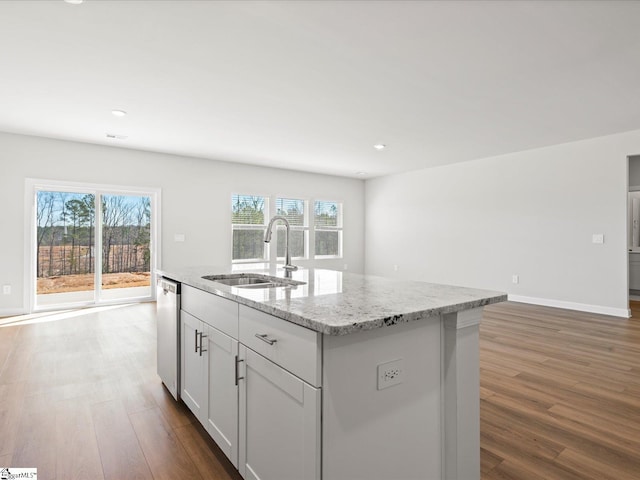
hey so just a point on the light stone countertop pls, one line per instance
(338, 303)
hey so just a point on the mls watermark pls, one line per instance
(11, 473)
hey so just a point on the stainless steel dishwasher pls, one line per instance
(168, 351)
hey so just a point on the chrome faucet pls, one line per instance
(288, 268)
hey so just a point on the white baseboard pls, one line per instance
(10, 312)
(581, 307)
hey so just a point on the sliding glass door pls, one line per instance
(126, 247)
(65, 267)
(92, 246)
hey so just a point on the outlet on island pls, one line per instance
(390, 373)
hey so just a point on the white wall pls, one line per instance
(530, 213)
(476, 223)
(196, 199)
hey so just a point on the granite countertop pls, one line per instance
(339, 303)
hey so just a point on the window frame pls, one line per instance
(303, 228)
(271, 251)
(339, 228)
(34, 185)
(251, 226)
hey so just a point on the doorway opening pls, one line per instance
(633, 233)
(92, 244)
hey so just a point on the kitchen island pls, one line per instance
(341, 376)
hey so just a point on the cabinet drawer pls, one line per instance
(211, 309)
(294, 348)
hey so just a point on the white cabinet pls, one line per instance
(295, 348)
(193, 364)
(280, 404)
(279, 422)
(287, 403)
(222, 404)
(212, 310)
(262, 404)
(634, 271)
(209, 356)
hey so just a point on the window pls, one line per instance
(327, 222)
(294, 210)
(91, 243)
(249, 214)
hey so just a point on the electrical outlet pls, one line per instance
(346, 266)
(6, 289)
(178, 237)
(390, 373)
(515, 278)
(597, 238)
(395, 268)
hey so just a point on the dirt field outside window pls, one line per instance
(85, 282)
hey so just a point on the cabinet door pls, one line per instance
(193, 374)
(222, 409)
(634, 271)
(279, 422)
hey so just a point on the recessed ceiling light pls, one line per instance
(119, 113)
(361, 173)
(116, 136)
(379, 146)
(74, 2)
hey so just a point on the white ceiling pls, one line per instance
(312, 85)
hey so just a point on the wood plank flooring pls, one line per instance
(79, 398)
(560, 394)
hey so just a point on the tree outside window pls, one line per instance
(248, 227)
(328, 228)
(294, 211)
(250, 214)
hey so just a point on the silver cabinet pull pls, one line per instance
(195, 342)
(238, 370)
(201, 337)
(265, 338)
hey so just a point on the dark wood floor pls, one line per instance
(79, 399)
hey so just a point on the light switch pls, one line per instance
(597, 238)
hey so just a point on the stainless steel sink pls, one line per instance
(252, 280)
(239, 281)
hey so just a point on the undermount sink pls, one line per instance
(252, 280)
(239, 281)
